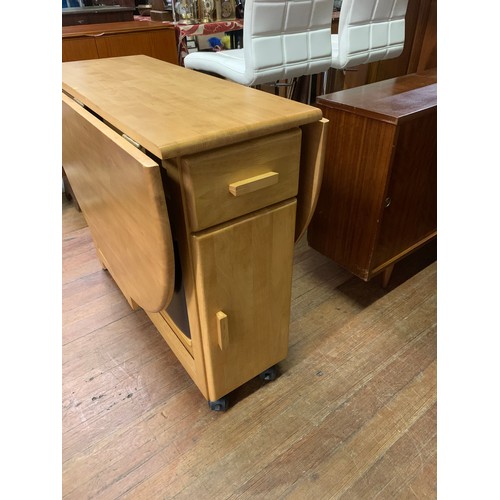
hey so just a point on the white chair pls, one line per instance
(369, 31)
(282, 39)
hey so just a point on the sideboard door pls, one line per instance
(409, 215)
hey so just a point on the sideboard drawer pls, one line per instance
(228, 182)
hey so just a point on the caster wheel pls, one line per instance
(219, 405)
(270, 374)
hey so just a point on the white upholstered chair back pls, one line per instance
(369, 30)
(286, 38)
(282, 39)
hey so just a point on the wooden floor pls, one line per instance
(352, 414)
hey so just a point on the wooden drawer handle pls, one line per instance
(222, 330)
(253, 183)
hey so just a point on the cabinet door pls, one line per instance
(77, 49)
(409, 218)
(243, 273)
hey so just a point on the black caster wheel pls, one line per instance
(219, 405)
(270, 374)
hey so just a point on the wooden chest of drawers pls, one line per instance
(378, 198)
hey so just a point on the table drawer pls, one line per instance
(228, 182)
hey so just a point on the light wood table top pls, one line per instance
(171, 110)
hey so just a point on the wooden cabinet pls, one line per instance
(196, 225)
(378, 197)
(119, 39)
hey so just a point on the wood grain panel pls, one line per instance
(164, 45)
(244, 270)
(159, 44)
(120, 192)
(123, 44)
(413, 183)
(75, 49)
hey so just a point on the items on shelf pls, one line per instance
(199, 11)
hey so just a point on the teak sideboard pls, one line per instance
(378, 197)
(194, 197)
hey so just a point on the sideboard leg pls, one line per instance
(386, 275)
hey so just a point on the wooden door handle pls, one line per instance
(222, 330)
(253, 183)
